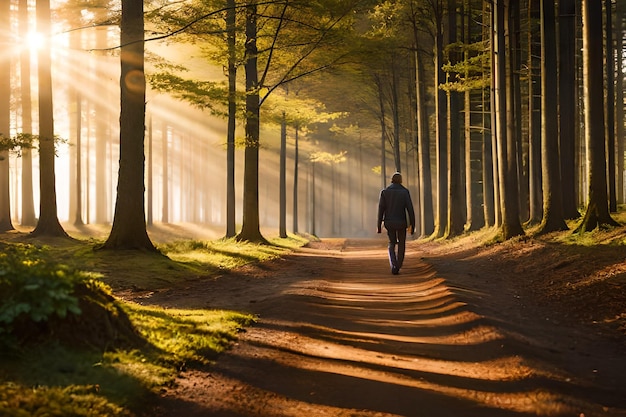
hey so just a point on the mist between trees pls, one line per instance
(292, 115)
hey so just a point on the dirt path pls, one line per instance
(338, 335)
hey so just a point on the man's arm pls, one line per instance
(381, 211)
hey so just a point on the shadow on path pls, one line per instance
(339, 335)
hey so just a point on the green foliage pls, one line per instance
(184, 336)
(219, 254)
(19, 401)
(206, 95)
(34, 284)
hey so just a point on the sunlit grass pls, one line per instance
(53, 380)
(209, 256)
(185, 336)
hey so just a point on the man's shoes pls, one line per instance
(395, 270)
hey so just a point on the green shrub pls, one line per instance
(35, 285)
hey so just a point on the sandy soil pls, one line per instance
(460, 332)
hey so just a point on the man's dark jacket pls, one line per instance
(393, 206)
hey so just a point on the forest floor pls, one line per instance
(529, 327)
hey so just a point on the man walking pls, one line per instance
(393, 207)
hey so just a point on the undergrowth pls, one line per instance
(50, 377)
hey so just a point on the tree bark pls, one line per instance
(567, 107)
(440, 128)
(534, 114)
(423, 146)
(5, 116)
(456, 219)
(48, 224)
(553, 219)
(597, 213)
(282, 222)
(129, 221)
(250, 230)
(619, 99)
(231, 15)
(509, 203)
(28, 217)
(610, 103)
(296, 161)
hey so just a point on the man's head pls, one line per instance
(396, 178)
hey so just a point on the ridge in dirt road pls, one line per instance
(338, 335)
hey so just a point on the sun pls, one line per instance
(35, 40)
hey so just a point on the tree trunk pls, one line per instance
(28, 217)
(48, 224)
(282, 211)
(516, 97)
(440, 129)
(610, 103)
(473, 184)
(534, 113)
(488, 135)
(129, 221)
(423, 146)
(102, 138)
(456, 218)
(511, 225)
(165, 207)
(553, 219)
(619, 99)
(383, 132)
(296, 161)
(395, 110)
(5, 116)
(567, 106)
(231, 15)
(150, 179)
(597, 213)
(250, 230)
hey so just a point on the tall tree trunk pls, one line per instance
(129, 221)
(250, 230)
(150, 179)
(282, 210)
(553, 219)
(440, 127)
(423, 146)
(231, 14)
(165, 162)
(395, 112)
(383, 132)
(76, 127)
(597, 213)
(101, 136)
(5, 116)
(473, 147)
(567, 106)
(296, 161)
(619, 98)
(488, 134)
(28, 217)
(48, 224)
(534, 113)
(516, 97)
(456, 218)
(511, 225)
(610, 103)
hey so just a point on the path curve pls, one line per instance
(338, 335)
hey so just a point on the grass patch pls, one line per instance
(50, 377)
(55, 380)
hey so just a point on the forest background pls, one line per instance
(497, 114)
